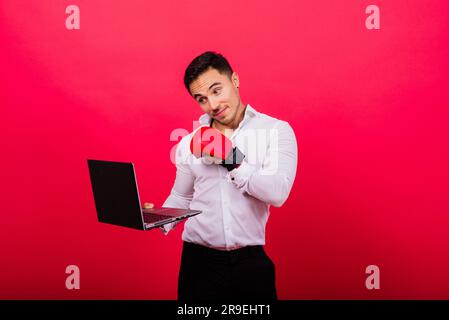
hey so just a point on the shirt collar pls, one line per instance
(249, 113)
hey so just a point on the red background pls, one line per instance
(369, 108)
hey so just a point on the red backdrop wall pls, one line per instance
(369, 108)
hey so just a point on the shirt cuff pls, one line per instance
(241, 175)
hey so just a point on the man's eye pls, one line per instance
(202, 100)
(217, 91)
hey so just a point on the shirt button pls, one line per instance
(232, 178)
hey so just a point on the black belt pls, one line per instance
(240, 251)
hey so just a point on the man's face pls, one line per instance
(217, 95)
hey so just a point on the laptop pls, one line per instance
(117, 199)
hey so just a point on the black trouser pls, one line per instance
(245, 274)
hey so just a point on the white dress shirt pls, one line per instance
(235, 204)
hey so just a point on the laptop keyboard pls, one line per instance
(150, 218)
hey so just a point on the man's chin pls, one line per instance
(226, 123)
(223, 121)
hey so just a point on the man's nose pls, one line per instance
(214, 104)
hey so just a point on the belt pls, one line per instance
(222, 251)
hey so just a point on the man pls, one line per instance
(223, 256)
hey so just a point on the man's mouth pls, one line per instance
(220, 113)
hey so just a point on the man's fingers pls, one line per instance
(148, 205)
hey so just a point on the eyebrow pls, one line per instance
(210, 87)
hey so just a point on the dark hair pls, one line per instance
(202, 63)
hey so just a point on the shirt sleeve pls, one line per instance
(182, 191)
(273, 180)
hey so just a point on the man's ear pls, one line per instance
(235, 79)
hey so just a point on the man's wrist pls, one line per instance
(234, 159)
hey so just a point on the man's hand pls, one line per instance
(148, 205)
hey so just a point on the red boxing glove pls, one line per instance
(209, 142)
